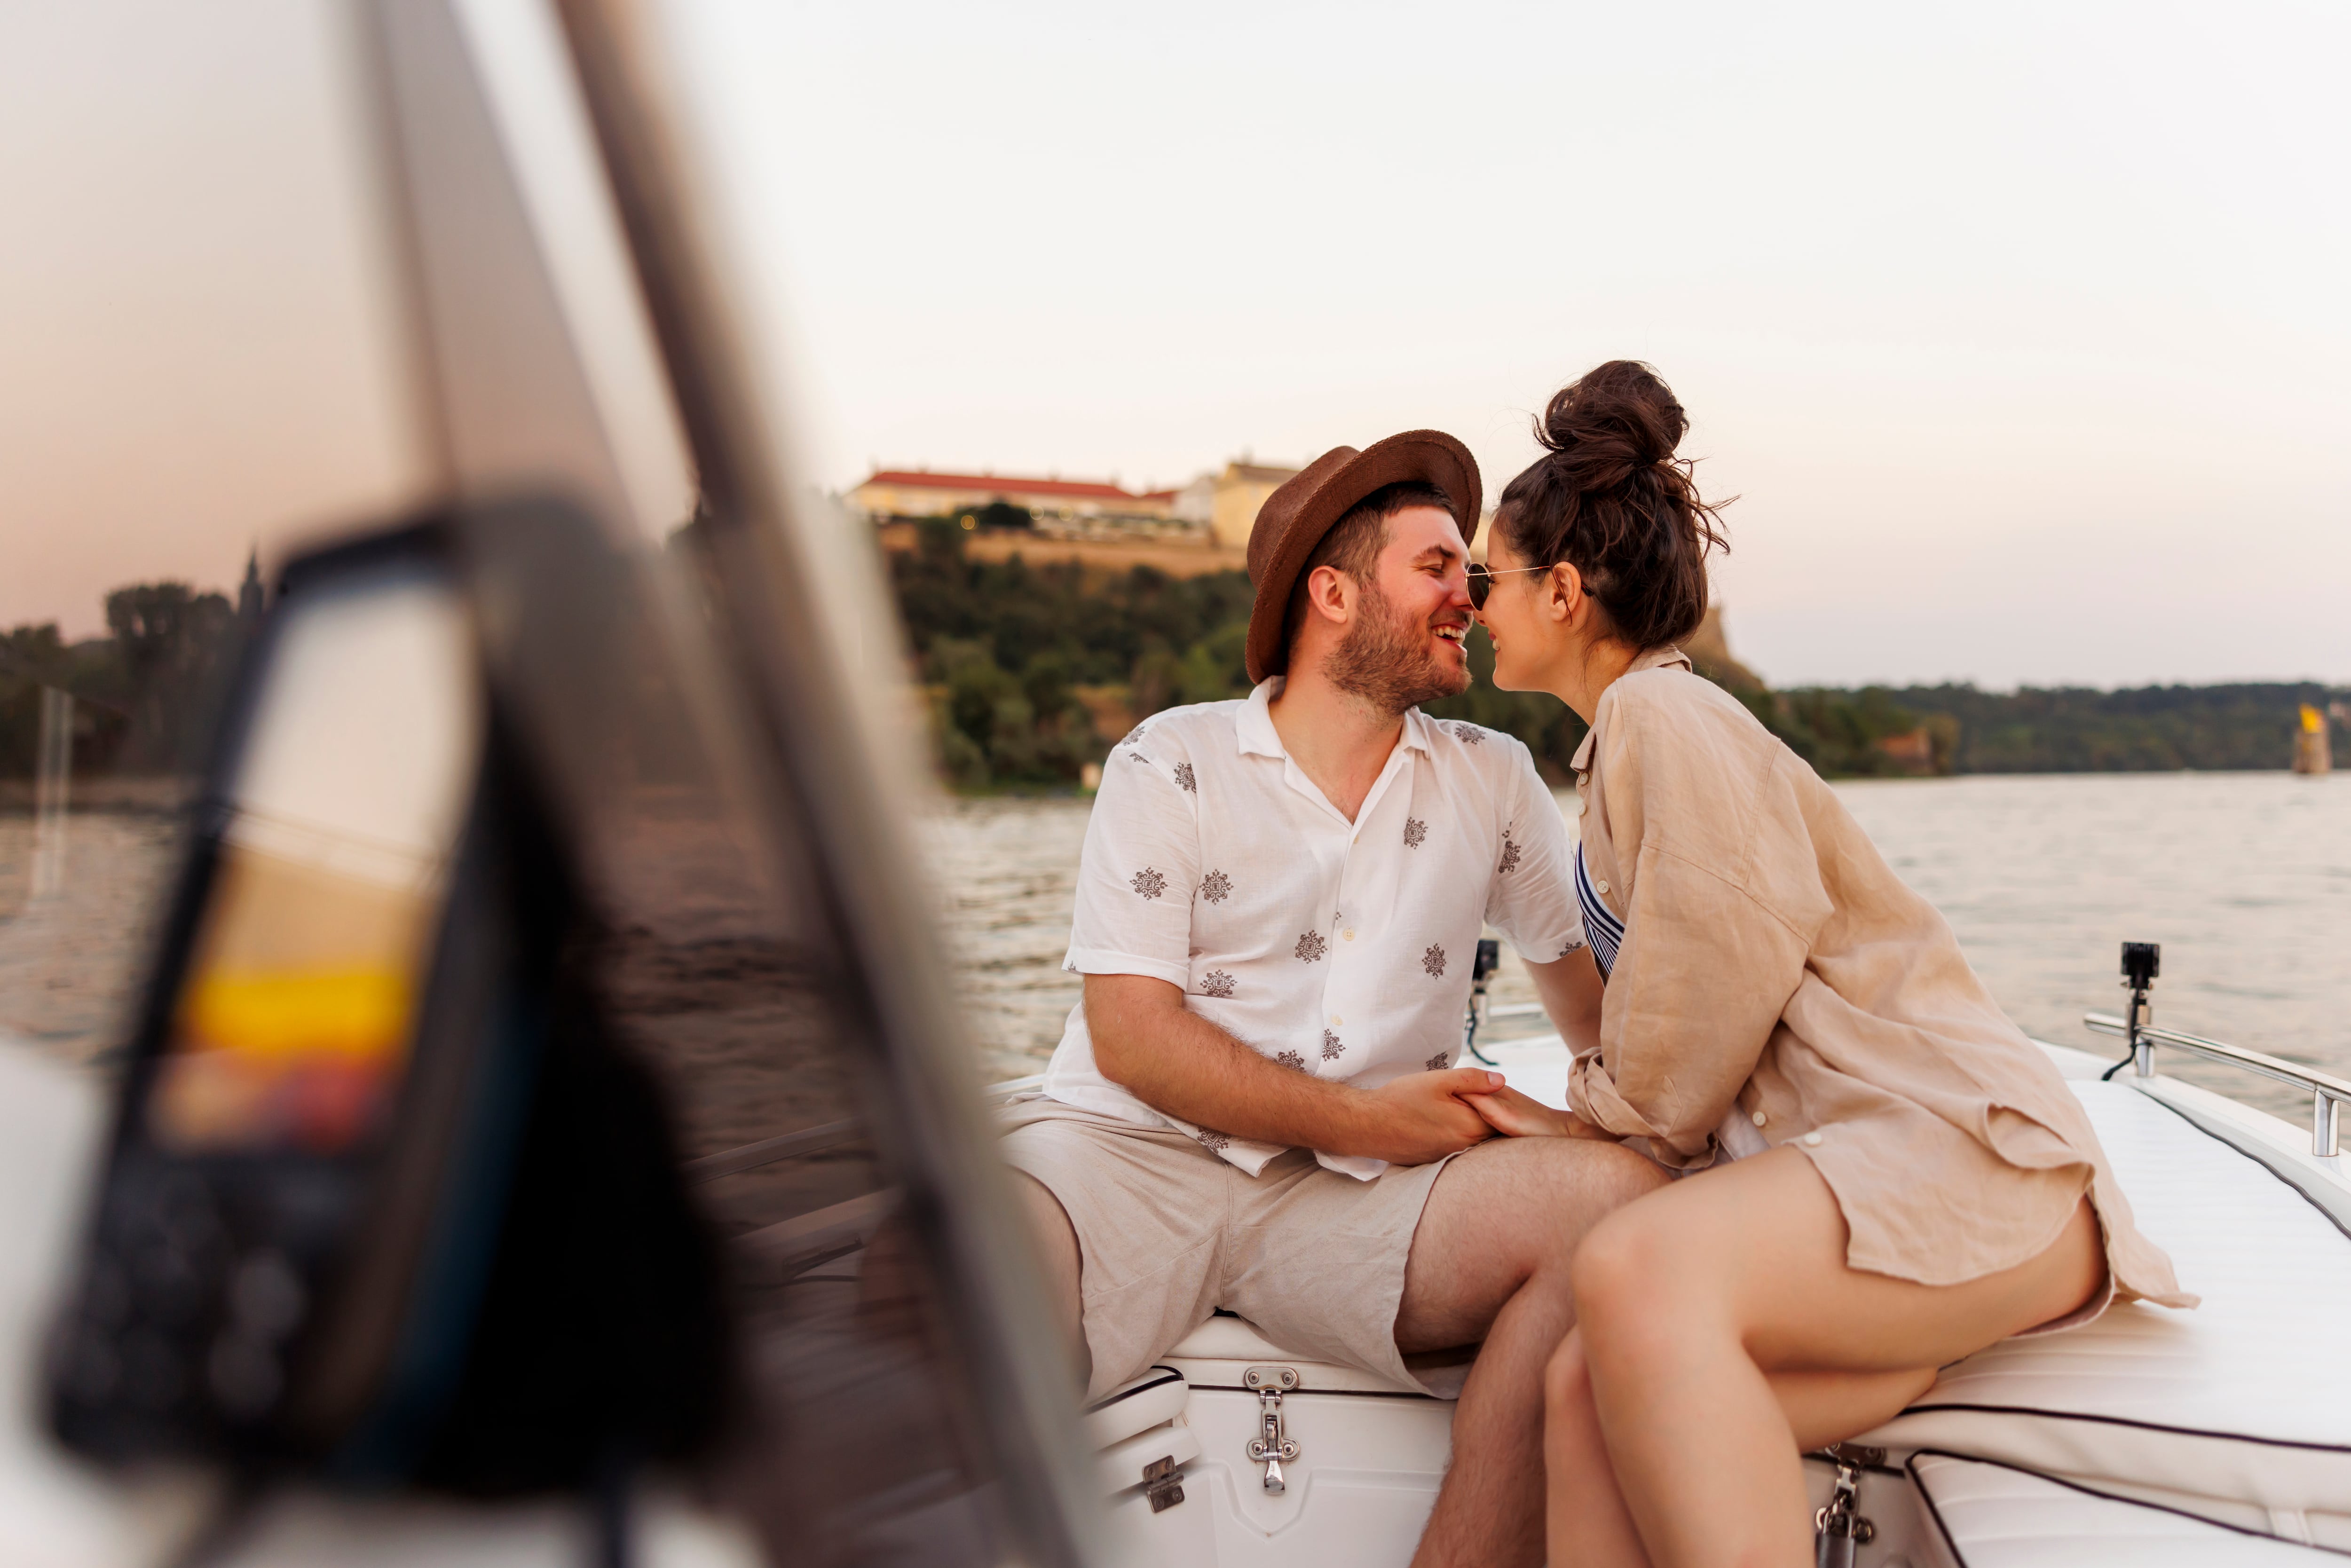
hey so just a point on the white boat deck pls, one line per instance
(2237, 1415)
(2214, 1438)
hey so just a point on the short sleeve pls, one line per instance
(1137, 873)
(1532, 899)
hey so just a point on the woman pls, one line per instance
(1888, 1175)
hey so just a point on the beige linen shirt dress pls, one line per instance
(1773, 967)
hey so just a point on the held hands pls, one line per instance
(1509, 1111)
(1425, 1116)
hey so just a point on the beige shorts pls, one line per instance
(1167, 1232)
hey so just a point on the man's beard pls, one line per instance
(1387, 662)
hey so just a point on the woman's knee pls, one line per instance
(1624, 1270)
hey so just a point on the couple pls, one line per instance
(1256, 1106)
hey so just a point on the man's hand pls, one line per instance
(1508, 1111)
(1177, 1061)
(1425, 1116)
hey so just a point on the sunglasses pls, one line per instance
(1481, 579)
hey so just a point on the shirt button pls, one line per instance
(1350, 936)
(1602, 886)
(1336, 1019)
(1581, 807)
(1811, 1140)
(1759, 1118)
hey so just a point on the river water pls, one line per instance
(2245, 878)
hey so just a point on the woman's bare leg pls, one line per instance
(1689, 1300)
(1587, 1524)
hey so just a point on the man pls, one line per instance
(1255, 1106)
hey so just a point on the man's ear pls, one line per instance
(1330, 594)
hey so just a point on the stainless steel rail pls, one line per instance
(2328, 1093)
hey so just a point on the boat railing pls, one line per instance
(2328, 1093)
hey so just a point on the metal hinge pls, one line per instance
(1839, 1529)
(1163, 1483)
(1270, 1448)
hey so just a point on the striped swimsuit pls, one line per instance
(1600, 927)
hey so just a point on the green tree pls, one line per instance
(176, 648)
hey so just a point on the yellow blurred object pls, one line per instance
(358, 1016)
(2310, 750)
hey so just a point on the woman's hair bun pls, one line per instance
(1621, 412)
(1609, 495)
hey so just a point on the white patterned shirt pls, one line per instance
(1339, 948)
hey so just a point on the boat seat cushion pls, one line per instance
(1157, 1397)
(1991, 1516)
(1215, 1355)
(2239, 1403)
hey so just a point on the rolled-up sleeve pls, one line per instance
(1722, 902)
(1532, 902)
(1697, 990)
(1137, 872)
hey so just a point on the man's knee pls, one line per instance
(1621, 1175)
(1576, 1183)
(1597, 1175)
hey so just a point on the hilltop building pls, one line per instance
(1217, 507)
(1195, 503)
(1235, 496)
(900, 495)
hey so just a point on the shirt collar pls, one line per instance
(1654, 659)
(1253, 726)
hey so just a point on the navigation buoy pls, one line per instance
(2310, 754)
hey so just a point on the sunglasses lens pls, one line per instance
(1479, 582)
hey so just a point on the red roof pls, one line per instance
(1002, 484)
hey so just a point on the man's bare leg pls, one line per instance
(1057, 1244)
(1490, 1260)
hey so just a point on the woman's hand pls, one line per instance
(1510, 1112)
(1425, 1116)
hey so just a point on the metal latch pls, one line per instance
(1839, 1529)
(1269, 1447)
(1163, 1483)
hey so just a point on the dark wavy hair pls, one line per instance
(1609, 497)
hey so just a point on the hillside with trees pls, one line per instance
(1032, 671)
(146, 693)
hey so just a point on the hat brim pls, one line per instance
(1427, 456)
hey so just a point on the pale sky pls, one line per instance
(2021, 330)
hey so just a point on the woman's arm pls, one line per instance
(1720, 889)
